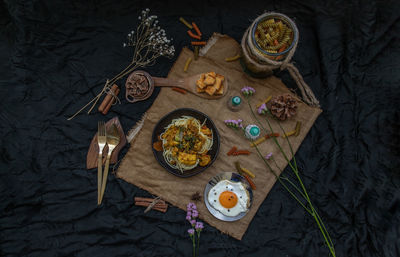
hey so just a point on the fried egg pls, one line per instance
(229, 198)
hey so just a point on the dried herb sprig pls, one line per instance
(148, 43)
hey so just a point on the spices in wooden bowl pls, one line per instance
(139, 86)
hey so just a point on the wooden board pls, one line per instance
(91, 158)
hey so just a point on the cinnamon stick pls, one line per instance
(107, 99)
(158, 205)
(144, 199)
(161, 209)
(108, 107)
(145, 202)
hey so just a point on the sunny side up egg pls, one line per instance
(229, 198)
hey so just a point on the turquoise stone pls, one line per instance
(236, 100)
(254, 131)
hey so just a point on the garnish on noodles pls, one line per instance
(186, 143)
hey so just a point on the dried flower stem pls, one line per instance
(148, 43)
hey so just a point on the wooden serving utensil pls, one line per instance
(188, 84)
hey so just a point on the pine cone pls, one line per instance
(283, 106)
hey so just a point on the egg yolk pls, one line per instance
(228, 199)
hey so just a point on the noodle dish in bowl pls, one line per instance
(185, 142)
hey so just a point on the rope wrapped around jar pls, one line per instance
(261, 62)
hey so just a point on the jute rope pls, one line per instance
(108, 91)
(260, 62)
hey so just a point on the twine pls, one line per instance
(152, 204)
(257, 59)
(108, 91)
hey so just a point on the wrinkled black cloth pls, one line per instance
(56, 56)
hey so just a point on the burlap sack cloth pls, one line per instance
(140, 168)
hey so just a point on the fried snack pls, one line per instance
(200, 84)
(211, 74)
(210, 83)
(218, 83)
(200, 90)
(220, 91)
(210, 90)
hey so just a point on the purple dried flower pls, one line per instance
(199, 226)
(248, 91)
(234, 123)
(268, 156)
(192, 213)
(190, 207)
(262, 109)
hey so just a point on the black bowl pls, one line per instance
(165, 121)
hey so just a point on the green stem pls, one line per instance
(282, 183)
(288, 180)
(287, 139)
(324, 233)
(303, 190)
(272, 131)
(327, 233)
(296, 187)
(294, 168)
(198, 243)
(194, 245)
(312, 212)
(280, 148)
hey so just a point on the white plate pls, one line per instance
(234, 177)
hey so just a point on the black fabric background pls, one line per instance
(56, 55)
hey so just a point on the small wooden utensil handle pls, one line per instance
(166, 82)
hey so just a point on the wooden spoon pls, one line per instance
(188, 84)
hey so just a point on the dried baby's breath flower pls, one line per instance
(148, 42)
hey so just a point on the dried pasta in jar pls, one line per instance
(273, 35)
